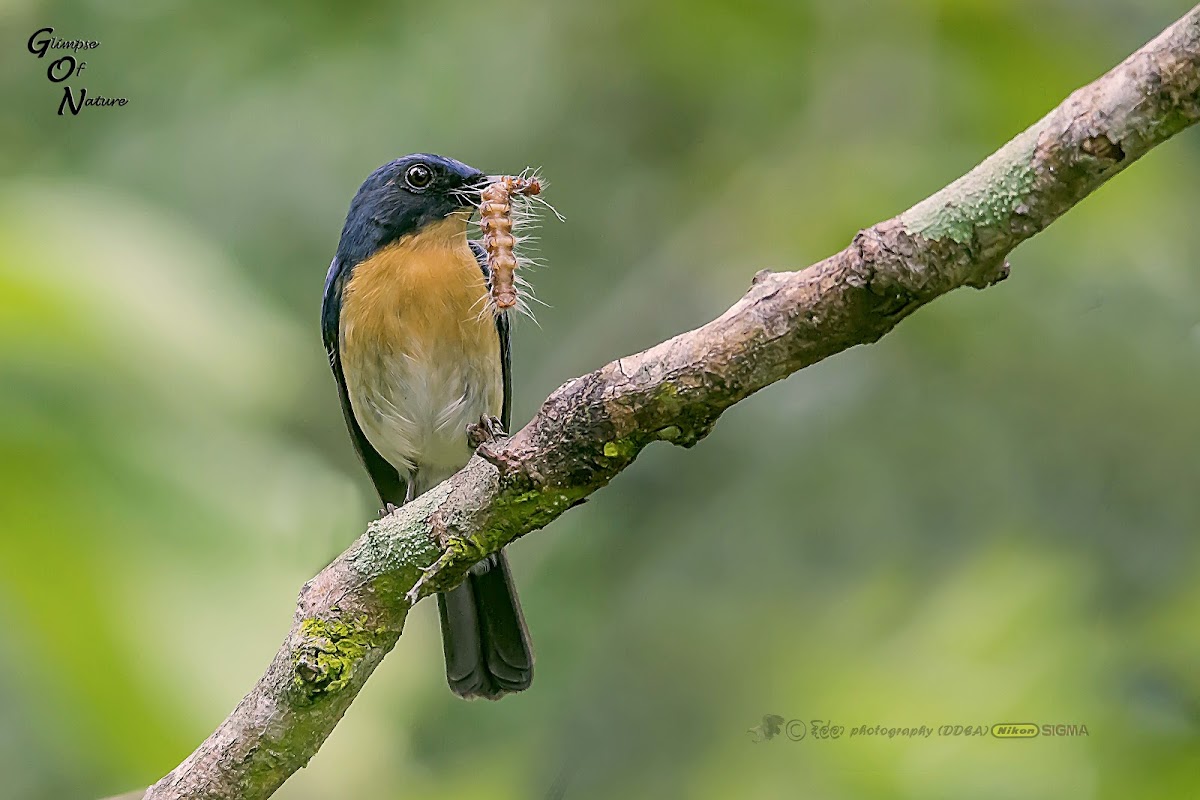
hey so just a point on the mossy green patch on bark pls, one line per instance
(464, 548)
(669, 434)
(620, 448)
(667, 398)
(689, 421)
(516, 514)
(332, 650)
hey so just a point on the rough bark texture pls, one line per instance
(592, 427)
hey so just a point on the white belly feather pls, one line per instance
(414, 406)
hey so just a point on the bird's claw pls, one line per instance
(486, 431)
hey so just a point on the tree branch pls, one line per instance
(591, 428)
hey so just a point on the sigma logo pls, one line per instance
(1064, 730)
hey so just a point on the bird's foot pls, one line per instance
(388, 508)
(487, 431)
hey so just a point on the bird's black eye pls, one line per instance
(418, 176)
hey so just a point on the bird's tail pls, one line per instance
(484, 635)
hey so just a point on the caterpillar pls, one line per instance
(496, 220)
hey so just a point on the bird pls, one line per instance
(416, 364)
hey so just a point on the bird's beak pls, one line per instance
(468, 196)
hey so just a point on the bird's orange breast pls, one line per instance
(427, 285)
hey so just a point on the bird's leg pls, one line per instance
(410, 491)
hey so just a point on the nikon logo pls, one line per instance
(1014, 730)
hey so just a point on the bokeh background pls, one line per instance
(990, 516)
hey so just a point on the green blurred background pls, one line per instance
(990, 516)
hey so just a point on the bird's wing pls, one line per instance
(387, 480)
(502, 330)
